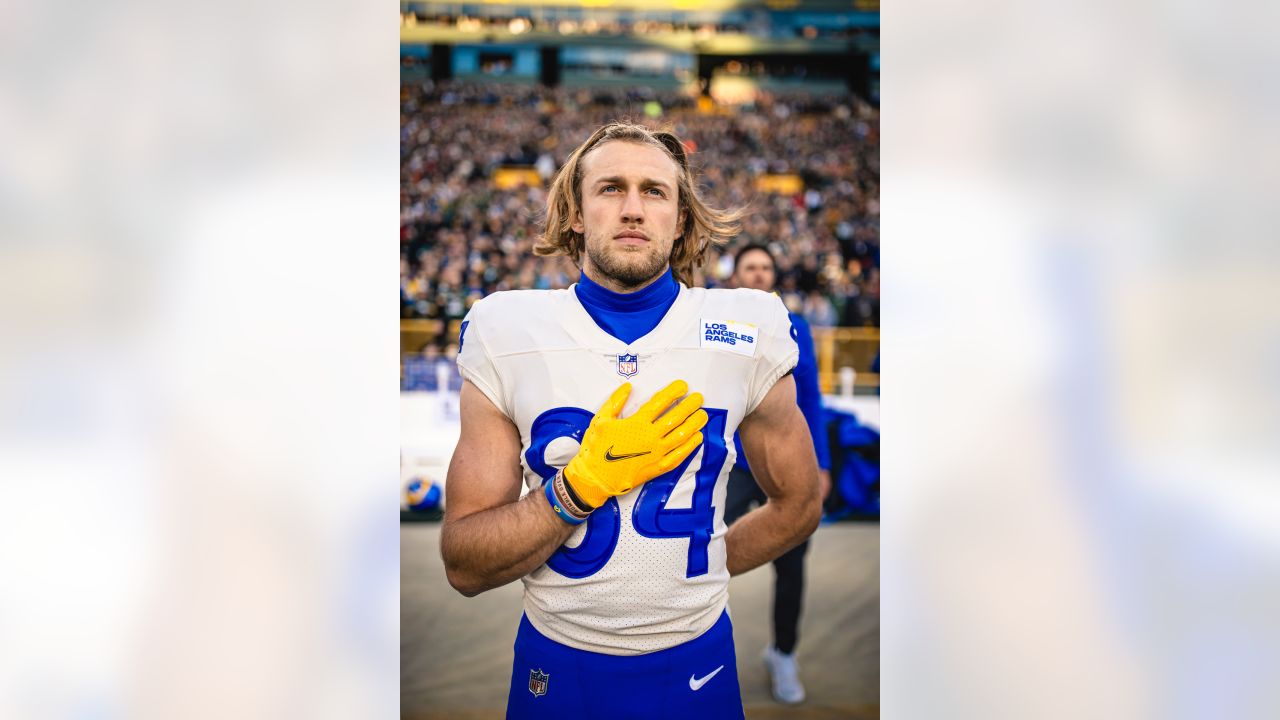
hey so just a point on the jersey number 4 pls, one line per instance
(650, 517)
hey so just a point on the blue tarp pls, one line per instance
(855, 466)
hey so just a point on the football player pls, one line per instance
(615, 402)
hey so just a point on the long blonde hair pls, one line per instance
(703, 224)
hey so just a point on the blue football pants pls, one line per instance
(695, 681)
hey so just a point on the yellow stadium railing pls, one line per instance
(843, 347)
(416, 334)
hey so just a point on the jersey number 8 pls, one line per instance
(650, 517)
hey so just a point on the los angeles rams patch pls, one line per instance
(737, 337)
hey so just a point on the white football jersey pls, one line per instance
(647, 571)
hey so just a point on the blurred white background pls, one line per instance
(1082, 341)
(198, 401)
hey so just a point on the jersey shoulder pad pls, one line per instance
(516, 320)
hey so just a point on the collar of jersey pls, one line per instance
(660, 292)
(670, 328)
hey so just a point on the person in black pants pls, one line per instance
(753, 267)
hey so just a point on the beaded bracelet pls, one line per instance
(568, 498)
(561, 506)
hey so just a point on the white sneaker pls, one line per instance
(785, 676)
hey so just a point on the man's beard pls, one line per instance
(626, 274)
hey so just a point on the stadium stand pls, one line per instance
(466, 232)
(779, 103)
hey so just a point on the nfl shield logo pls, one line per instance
(538, 682)
(627, 365)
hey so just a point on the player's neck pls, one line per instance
(604, 282)
(657, 292)
(628, 316)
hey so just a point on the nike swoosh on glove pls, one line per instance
(618, 454)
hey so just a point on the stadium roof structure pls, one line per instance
(608, 21)
(722, 44)
(679, 5)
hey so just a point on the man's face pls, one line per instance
(630, 214)
(755, 271)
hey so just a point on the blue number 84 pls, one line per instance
(650, 517)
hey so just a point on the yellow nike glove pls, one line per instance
(617, 454)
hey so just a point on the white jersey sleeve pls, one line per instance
(474, 361)
(776, 355)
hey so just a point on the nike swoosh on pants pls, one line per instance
(696, 683)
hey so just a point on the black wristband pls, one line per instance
(561, 490)
(573, 496)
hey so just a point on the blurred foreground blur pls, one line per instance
(195, 416)
(1082, 317)
(198, 421)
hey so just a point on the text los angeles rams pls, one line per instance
(719, 332)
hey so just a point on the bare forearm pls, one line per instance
(769, 531)
(491, 548)
(777, 443)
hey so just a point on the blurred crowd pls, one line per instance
(461, 237)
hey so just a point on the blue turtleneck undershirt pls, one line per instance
(628, 316)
